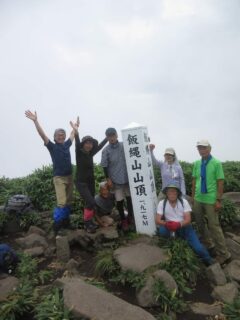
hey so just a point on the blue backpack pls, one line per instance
(8, 258)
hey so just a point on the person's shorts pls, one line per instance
(121, 191)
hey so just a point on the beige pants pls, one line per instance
(64, 190)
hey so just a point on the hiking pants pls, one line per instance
(87, 192)
(209, 227)
(64, 190)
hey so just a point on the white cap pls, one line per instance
(204, 143)
(170, 151)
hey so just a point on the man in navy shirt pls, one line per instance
(62, 168)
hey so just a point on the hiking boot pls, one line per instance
(89, 227)
(224, 260)
(212, 252)
(131, 223)
(94, 225)
(124, 225)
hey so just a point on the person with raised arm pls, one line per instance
(62, 168)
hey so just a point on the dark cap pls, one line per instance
(89, 138)
(110, 132)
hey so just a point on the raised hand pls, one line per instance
(151, 146)
(74, 126)
(78, 122)
(30, 115)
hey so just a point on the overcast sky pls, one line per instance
(171, 65)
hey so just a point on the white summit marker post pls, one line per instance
(141, 177)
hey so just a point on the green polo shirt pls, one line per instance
(214, 172)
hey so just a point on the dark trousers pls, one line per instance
(87, 192)
(120, 207)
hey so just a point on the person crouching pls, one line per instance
(174, 219)
(105, 202)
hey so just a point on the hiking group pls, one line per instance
(173, 216)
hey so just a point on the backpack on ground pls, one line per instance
(8, 258)
(18, 203)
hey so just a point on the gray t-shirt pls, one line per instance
(104, 205)
(113, 159)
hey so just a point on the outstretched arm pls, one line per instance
(100, 146)
(76, 135)
(33, 116)
(154, 160)
(75, 127)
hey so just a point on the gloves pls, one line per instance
(173, 225)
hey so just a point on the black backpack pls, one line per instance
(8, 258)
(18, 203)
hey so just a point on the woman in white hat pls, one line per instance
(171, 170)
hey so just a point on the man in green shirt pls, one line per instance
(207, 190)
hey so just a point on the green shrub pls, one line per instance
(25, 298)
(27, 268)
(25, 220)
(105, 264)
(183, 264)
(228, 213)
(18, 303)
(134, 279)
(39, 187)
(232, 310)
(10, 187)
(45, 276)
(187, 171)
(96, 283)
(99, 175)
(168, 301)
(232, 176)
(3, 220)
(78, 204)
(29, 219)
(76, 221)
(164, 316)
(52, 307)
